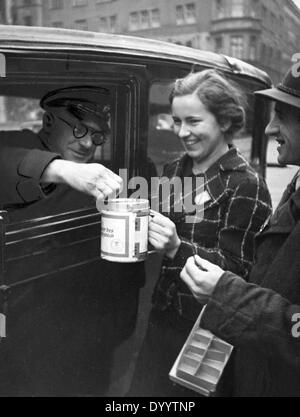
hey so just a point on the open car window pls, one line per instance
(31, 79)
(20, 112)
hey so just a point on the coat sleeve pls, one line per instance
(248, 209)
(20, 171)
(247, 315)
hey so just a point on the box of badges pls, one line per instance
(201, 362)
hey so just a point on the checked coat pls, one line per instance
(236, 205)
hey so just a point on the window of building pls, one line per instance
(190, 13)
(27, 3)
(237, 8)
(133, 21)
(237, 46)
(264, 13)
(144, 19)
(252, 48)
(28, 20)
(57, 24)
(219, 44)
(186, 14)
(113, 27)
(179, 15)
(103, 27)
(155, 18)
(254, 8)
(220, 10)
(108, 24)
(56, 4)
(81, 24)
(78, 3)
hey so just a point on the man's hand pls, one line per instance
(201, 277)
(163, 235)
(92, 179)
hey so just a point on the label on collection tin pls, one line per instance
(124, 236)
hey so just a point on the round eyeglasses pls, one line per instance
(80, 130)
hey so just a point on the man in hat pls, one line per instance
(261, 317)
(75, 122)
(63, 330)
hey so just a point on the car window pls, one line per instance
(20, 94)
(163, 145)
(18, 113)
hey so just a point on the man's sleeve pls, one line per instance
(245, 314)
(20, 173)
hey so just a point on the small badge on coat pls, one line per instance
(2, 326)
(202, 198)
(265, 225)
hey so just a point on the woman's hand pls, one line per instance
(163, 235)
(201, 277)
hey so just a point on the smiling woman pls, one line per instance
(66, 308)
(207, 111)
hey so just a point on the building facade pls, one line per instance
(265, 33)
(5, 12)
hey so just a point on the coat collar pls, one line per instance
(283, 220)
(216, 177)
(231, 161)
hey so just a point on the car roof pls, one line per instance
(41, 38)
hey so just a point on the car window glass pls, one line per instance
(21, 113)
(163, 145)
(17, 113)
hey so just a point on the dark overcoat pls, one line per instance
(261, 318)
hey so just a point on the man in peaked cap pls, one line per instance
(261, 317)
(63, 330)
(75, 122)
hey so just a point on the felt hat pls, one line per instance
(287, 91)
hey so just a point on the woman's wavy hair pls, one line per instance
(220, 96)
